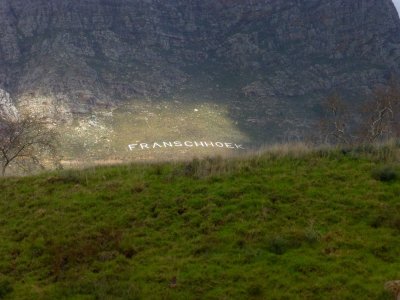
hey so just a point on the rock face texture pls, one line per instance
(264, 58)
(7, 107)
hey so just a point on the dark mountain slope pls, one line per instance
(268, 60)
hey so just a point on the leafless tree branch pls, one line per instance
(26, 141)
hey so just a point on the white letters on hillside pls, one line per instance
(187, 144)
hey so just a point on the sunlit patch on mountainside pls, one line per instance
(106, 135)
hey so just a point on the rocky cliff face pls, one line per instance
(7, 107)
(266, 59)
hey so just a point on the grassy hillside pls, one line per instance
(317, 225)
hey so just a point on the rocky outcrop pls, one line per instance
(265, 57)
(7, 107)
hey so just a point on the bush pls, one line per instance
(278, 245)
(385, 174)
(255, 290)
(5, 286)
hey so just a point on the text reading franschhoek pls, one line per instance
(187, 144)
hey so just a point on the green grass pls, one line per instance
(317, 226)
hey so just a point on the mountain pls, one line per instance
(268, 63)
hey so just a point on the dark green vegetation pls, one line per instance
(320, 225)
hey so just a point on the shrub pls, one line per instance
(255, 290)
(5, 286)
(278, 245)
(385, 174)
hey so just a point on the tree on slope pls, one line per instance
(381, 115)
(26, 142)
(377, 120)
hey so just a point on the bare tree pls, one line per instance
(334, 125)
(26, 142)
(378, 119)
(381, 115)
